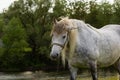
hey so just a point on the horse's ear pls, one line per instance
(55, 21)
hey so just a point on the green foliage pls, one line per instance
(116, 14)
(105, 14)
(25, 28)
(93, 13)
(60, 8)
(14, 41)
(1, 25)
(78, 9)
(14, 34)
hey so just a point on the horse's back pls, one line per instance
(112, 27)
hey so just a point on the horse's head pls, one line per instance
(63, 32)
(61, 35)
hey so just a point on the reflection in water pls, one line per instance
(53, 76)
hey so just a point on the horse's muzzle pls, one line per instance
(54, 56)
(55, 52)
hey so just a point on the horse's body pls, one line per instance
(92, 47)
(102, 45)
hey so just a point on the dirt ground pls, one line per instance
(40, 75)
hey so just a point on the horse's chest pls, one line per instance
(79, 58)
(78, 61)
(82, 56)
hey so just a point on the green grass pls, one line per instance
(100, 78)
(81, 78)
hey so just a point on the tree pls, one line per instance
(36, 20)
(14, 40)
(105, 13)
(116, 12)
(59, 8)
(78, 10)
(92, 14)
(2, 24)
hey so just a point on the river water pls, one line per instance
(39, 75)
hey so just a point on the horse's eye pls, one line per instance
(64, 37)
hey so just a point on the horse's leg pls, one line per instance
(93, 69)
(73, 73)
(117, 66)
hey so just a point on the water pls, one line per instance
(39, 75)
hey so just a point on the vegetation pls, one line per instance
(25, 28)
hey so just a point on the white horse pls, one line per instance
(85, 46)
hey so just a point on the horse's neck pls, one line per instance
(87, 34)
(87, 29)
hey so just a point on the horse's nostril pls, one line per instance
(57, 54)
